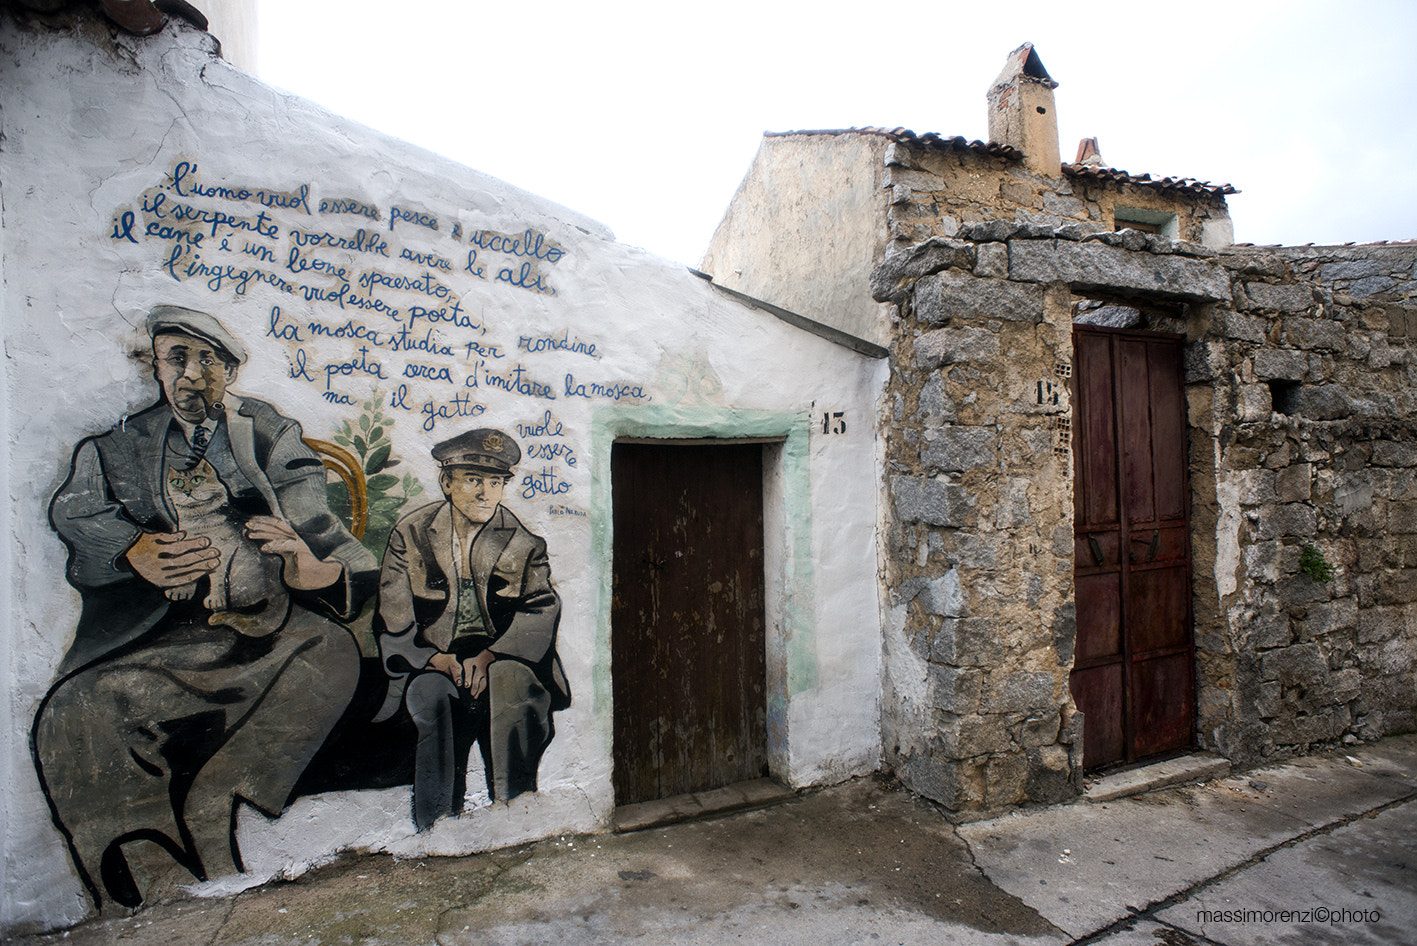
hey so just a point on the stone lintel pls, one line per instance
(1097, 266)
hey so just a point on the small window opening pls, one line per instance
(1160, 222)
(1284, 396)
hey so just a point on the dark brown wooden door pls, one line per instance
(687, 652)
(1133, 667)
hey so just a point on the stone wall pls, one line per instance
(978, 480)
(1314, 426)
(1375, 273)
(935, 191)
(781, 226)
(1303, 439)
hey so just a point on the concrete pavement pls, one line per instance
(1317, 850)
(1324, 833)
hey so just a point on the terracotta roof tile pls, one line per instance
(1115, 176)
(906, 136)
(994, 149)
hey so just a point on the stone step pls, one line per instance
(741, 795)
(1195, 767)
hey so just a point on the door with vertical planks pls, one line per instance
(1133, 666)
(688, 661)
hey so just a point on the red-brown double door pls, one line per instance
(1133, 666)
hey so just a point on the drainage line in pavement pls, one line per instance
(1148, 912)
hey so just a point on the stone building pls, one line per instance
(817, 211)
(905, 341)
(1144, 491)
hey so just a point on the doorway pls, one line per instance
(688, 659)
(1134, 662)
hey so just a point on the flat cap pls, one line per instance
(486, 449)
(163, 319)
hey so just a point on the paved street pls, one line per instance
(1319, 850)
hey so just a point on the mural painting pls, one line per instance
(253, 629)
(464, 583)
(202, 673)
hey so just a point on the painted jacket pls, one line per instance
(115, 492)
(418, 602)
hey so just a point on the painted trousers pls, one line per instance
(164, 741)
(510, 722)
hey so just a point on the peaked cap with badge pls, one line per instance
(485, 449)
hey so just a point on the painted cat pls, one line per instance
(246, 591)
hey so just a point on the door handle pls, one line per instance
(1096, 548)
(1152, 545)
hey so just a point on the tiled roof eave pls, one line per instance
(1171, 184)
(906, 136)
(932, 141)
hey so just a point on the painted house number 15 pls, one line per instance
(834, 423)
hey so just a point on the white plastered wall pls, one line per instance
(92, 133)
(806, 227)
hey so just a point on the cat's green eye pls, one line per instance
(198, 480)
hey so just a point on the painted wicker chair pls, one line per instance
(347, 467)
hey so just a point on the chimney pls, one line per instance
(1021, 111)
(1090, 153)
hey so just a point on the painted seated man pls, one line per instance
(208, 666)
(469, 631)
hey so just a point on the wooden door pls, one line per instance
(687, 642)
(1133, 666)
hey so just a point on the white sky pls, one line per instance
(645, 115)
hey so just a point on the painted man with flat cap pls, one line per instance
(469, 621)
(170, 710)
